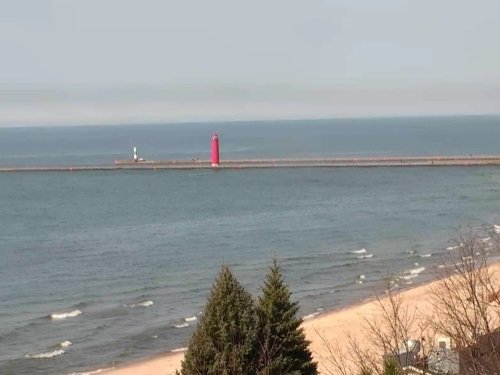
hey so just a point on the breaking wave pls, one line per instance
(92, 372)
(65, 315)
(182, 325)
(178, 350)
(311, 315)
(191, 319)
(65, 344)
(367, 256)
(360, 279)
(413, 273)
(416, 271)
(409, 277)
(426, 255)
(47, 355)
(143, 304)
(361, 251)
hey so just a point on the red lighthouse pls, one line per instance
(215, 150)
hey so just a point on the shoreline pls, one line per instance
(330, 324)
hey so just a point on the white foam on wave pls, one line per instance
(496, 228)
(454, 247)
(485, 239)
(392, 287)
(65, 344)
(409, 277)
(416, 271)
(178, 350)
(182, 325)
(99, 370)
(47, 355)
(443, 266)
(65, 315)
(191, 319)
(143, 304)
(360, 251)
(367, 256)
(311, 315)
(360, 279)
(413, 273)
(426, 255)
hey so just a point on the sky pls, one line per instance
(114, 61)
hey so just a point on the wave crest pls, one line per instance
(143, 304)
(47, 355)
(361, 278)
(360, 251)
(179, 350)
(92, 372)
(416, 271)
(455, 246)
(311, 315)
(65, 315)
(65, 344)
(367, 256)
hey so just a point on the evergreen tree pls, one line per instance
(224, 341)
(283, 346)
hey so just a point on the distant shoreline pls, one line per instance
(363, 162)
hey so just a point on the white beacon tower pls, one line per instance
(136, 158)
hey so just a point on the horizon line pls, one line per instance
(257, 120)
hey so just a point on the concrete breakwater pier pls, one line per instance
(363, 162)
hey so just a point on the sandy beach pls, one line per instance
(332, 326)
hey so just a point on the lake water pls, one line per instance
(120, 263)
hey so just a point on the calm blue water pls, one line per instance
(107, 243)
(321, 138)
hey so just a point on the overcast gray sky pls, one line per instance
(93, 61)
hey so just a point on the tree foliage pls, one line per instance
(283, 346)
(224, 342)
